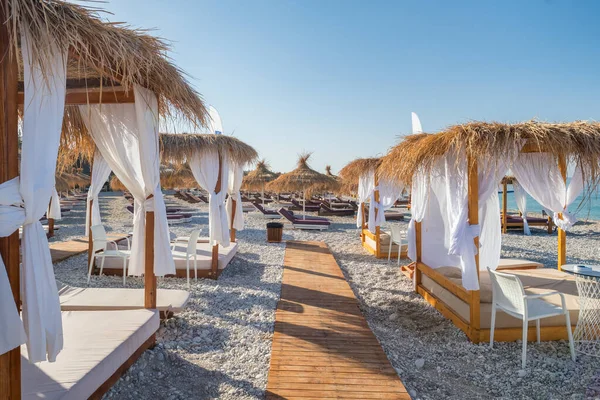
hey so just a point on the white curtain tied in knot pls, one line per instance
(44, 103)
(236, 176)
(54, 206)
(12, 216)
(205, 168)
(366, 185)
(389, 192)
(100, 173)
(539, 174)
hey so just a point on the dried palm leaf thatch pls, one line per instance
(347, 187)
(328, 188)
(328, 172)
(171, 177)
(61, 184)
(71, 179)
(178, 148)
(102, 54)
(354, 169)
(577, 142)
(116, 185)
(258, 176)
(301, 179)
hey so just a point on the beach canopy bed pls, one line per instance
(380, 194)
(303, 178)
(455, 230)
(520, 221)
(59, 62)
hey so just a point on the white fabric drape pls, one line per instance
(416, 123)
(521, 200)
(418, 206)
(44, 104)
(100, 173)
(127, 137)
(215, 125)
(540, 176)
(205, 168)
(54, 206)
(236, 176)
(366, 185)
(389, 192)
(12, 216)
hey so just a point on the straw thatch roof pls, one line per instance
(259, 176)
(178, 148)
(171, 177)
(354, 169)
(577, 142)
(328, 172)
(301, 179)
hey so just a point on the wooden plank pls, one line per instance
(322, 346)
(446, 283)
(473, 202)
(10, 363)
(504, 205)
(562, 235)
(149, 277)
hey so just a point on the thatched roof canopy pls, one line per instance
(258, 176)
(577, 142)
(301, 178)
(171, 177)
(354, 169)
(178, 148)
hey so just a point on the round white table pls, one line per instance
(587, 332)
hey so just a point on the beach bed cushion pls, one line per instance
(534, 281)
(111, 299)
(96, 344)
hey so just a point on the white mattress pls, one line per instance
(204, 257)
(96, 344)
(112, 299)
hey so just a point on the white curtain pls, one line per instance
(236, 176)
(205, 168)
(521, 200)
(540, 176)
(418, 206)
(12, 217)
(100, 173)
(389, 192)
(127, 137)
(44, 104)
(54, 206)
(416, 123)
(366, 185)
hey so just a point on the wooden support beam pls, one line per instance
(232, 229)
(90, 239)
(10, 363)
(149, 277)
(109, 95)
(214, 264)
(419, 251)
(377, 228)
(504, 206)
(473, 203)
(562, 235)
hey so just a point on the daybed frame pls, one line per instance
(472, 328)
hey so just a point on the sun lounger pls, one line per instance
(340, 212)
(297, 206)
(98, 347)
(169, 301)
(307, 223)
(172, 218)
(271, 214)
(516, 222)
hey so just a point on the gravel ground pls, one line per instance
(220, 346)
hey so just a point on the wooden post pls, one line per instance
(149, 277)
(562, 235)
(50, 220)
(473, 202)
(419, 251)
(10, 363)
(504, 205)
(90, 239)
(377, 228)
(214, 265)
(232, 229)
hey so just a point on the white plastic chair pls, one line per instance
(508, 295)
(99, 250)
(192, 244)
(396, 237)
(184, 239)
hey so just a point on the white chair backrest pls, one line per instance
(193, 242)
(99, 237)
(397, 233)
(507, 291)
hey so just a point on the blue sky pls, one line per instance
(340, 78)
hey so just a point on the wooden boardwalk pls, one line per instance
(62, 250)
(322, 345)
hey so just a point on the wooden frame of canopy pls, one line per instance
(104, 61)
(419, 151)
(351, 173)
(518, 225)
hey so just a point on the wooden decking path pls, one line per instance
(322, 345)
(62, 250)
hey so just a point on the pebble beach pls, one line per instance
(219, 347)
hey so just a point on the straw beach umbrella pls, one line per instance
(301, 178)
(258, 177)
